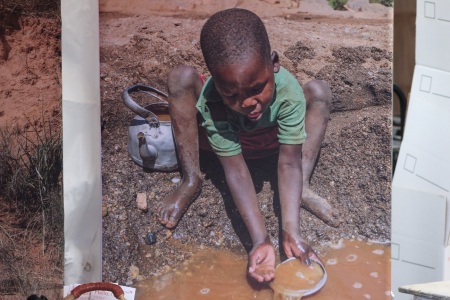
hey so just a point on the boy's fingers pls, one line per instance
(288, 252)
(255, 275)
(305, 259)
(252, 263)
(304, 254)
(263, 273)
(258, 277)
(287, 249)
(269, 275)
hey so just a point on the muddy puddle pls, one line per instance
(356, 270)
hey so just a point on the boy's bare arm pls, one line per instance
(261, 261)
(290, 189)
(290, 185)
(244, 196)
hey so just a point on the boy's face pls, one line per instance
(247, 87)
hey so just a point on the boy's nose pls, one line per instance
(249, 102)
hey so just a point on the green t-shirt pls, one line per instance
(286, 109)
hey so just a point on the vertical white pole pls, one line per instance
(81, 141)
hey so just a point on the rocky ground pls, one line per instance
(351, 50)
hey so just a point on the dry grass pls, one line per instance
(31, 209)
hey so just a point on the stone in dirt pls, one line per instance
(141, 201)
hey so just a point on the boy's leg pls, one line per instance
(318, 103)
(184, 85)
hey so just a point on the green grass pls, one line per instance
(337, 4)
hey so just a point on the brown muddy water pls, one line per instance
(356, 270)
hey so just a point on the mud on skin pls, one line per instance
(353, 172)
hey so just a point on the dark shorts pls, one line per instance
(262, 142)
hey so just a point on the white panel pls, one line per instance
(428, 116)
(418, 251)
(418, 180)
(424, 158)
(80, 51)
(82, 146)
(432, 32)
(420, 216)
(409, 268)
(421, 170)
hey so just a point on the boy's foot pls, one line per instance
(173, 206)
(320, 208)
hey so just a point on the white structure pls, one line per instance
(81, 141)
(421, 184)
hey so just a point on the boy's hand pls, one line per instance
(261, 262)
(299, 248)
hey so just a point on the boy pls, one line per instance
(250, 108)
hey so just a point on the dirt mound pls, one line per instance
(30, 72)
(357, 83)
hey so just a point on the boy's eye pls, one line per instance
(258, 90)
(229, 101)
(230, 97)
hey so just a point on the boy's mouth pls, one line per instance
(254, 116)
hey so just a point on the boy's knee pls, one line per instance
(182, 79)
(318, 91)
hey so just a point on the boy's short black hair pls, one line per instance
(232, 35)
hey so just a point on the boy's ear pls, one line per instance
(275, 61)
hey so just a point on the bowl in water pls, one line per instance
(293, 279)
